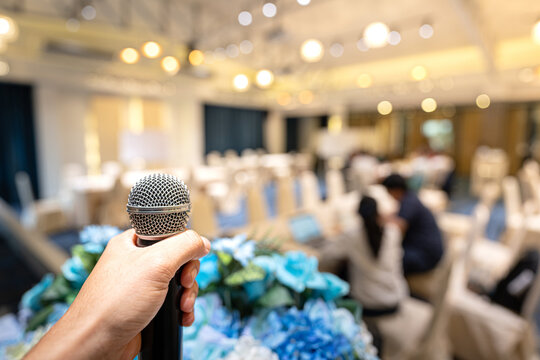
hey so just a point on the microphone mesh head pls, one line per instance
(158, 191)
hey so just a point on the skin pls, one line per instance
(398, 195)
(122, 295)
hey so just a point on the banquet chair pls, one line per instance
(113, 210)
(335, 185)
(203, 217)
(286, 200)
(309, 189)
(417, 329)
(256, 205)
(44, 215)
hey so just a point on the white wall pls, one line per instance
(59, 114)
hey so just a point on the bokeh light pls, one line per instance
(170, 64)
(305, 97)
(245, 18)
(129, 55)
(419, 73)
(196, 57)
(384, 107)
(425, 31)
(264, 78)
(151, 49)
(269, 9)
(312, 50)
(241, 82)
(376, 34)
(283, 99)
(483, 101)
(429, 105)
(364, 81)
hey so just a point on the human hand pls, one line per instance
(122, 295)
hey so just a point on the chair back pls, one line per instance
(512, 197)
(203, 217)
(286, 200)
(256, 205)
(309, 188)
(335, 184)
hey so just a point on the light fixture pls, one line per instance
(8, 29)
(384, 107)
(170, 64)
(232, 50)
(269, 9)
(245, 18)
(283, 99)
(4, 68)
(376, 34)
(418, 73)
(536, 32)
(129, 55)
(483, 101)
(312, 50)
(73, 25)
(264, 78)
(304, 2)
(526, 75)
(425, 31)
(335, 124)
(196, 57)
(246, 47)
(361, 45)
(240, 82)
(394, 38)
(429, 105)
(151, 49)
(305, 97)
(364, 81)
(88, 12)
(336, 49)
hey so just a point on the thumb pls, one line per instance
(177, 250)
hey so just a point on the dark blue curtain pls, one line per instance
(232, 128)
(294, 133)
(17, 141)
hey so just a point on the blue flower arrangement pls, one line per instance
(254, 303)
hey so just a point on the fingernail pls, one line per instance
(206, 244)
(193, 275)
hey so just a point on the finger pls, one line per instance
(187, 301)
(188, 318)
(179, 249)
(189, 273)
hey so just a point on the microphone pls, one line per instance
(158, 207)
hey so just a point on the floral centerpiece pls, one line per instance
(254, 303)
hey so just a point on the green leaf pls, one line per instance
(88, 260)
(250, 273)
(58, 290)
(224, 258)
(40, 318)
(277, 296)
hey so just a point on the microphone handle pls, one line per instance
(162, 337)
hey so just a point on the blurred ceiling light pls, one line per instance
(232, 50)
(269, 9)
(526, 75)
(151, 49)
(304, 2)
(4, 68)
(73, 25)
(375, 34)
(8, 29)
(536, 32)
(312, 50)
(284, 99)
(88, 12)
(196, 57)
(364, 81)
(264, 78)
(418, 73)
(446, 83)
(361, 45)
(245, 18)
(336, 49)
(426, 85)
(429, 105)
(246, 47)
(170, 64)
(394, 38)
(425, 31)
(129, 55)
(335, 124)
(483, 101)
(305, 97)
(240, 82)
(384, 107)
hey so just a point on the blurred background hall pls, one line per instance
(280, 115)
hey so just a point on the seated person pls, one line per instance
(375, 263)
(422, 239)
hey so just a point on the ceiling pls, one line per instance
(478, 46)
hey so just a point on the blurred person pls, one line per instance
(122, 295)
(422, 239)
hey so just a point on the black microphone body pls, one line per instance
(158, 207)
(161, 339)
